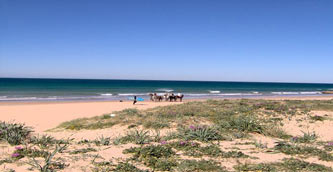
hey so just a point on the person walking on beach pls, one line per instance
(134, 101)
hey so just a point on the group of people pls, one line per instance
(166, 97)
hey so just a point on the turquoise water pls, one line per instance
(15, 89)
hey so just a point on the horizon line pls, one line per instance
(166, 80)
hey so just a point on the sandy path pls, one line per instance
(43, 116)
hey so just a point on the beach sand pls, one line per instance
(46, 115)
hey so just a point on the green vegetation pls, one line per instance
(83, 150)
(158, 157)
(227, 119)
(290, 164)
(202, 135)
(199, 166)
(292, 149)
(317, 118)
(306, 138)
(49, 164)
(120, 167)
(134, 136)
(14, 133)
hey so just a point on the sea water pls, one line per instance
(19, 89)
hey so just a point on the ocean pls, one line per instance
(19, 89)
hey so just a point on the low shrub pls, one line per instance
(306, 138)
(244, 123)
(135, 136)
(200, 133)
(14, 133)
(102, 141)
(303, 150)
(287, 164)
(199, 166)
(43, 141)
(158, 157)
(83, 150)
(126, 167)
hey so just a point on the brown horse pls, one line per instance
(180, 97)
(155, 97)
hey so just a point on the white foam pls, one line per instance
(239, 94)
(297, 93)
(214, 92)
(18, 98)
(106, 94)
(165, 90)
(197, 94)
(132, 94)
(285, 93)
(311, 92)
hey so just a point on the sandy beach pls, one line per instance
(43, 116)
(47, 115)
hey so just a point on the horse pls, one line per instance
(154, 97)
(180, 97)
(172, 97)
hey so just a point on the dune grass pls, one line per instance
(227, 116)
(195, 143)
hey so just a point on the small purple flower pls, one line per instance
(330, 143)
(163, 142)
(192, 127)
(14, 155)
(182, 143)
(18, 148)
(193, 144)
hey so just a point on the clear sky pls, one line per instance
(224, 40)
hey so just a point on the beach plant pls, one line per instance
(274, 131)
(159, 123)
(200, 133)
(329, 146)
(158, 157)
(287, 164)
(21, 152)
(83, 150)
(119, 167)
(14, 133)
(260, 145)
(102, 141)
(7, 160)
(126, 167)
(263, 167)
(293, 164)
(199, 166)
(242, 123)
(234, 154)
(306, 138)
(49, 164)
(135, 136)
(292, 149)
(317, 118)
(43, 141)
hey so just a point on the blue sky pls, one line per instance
(234, 40)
